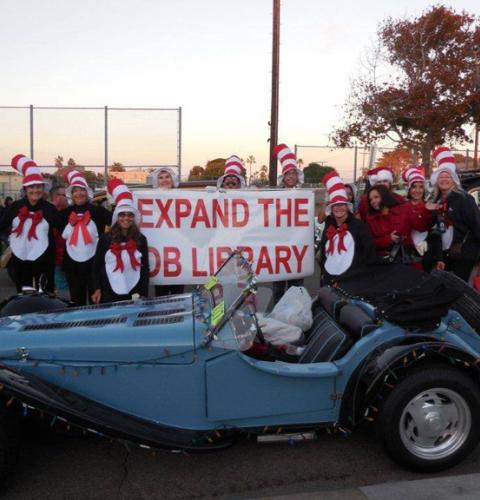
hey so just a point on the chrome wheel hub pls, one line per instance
(435, 423)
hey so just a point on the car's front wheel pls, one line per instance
(430, 420)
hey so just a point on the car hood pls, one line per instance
(159, 329)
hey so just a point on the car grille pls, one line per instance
(166, 320)
(76, 324)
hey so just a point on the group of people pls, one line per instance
(103, 256)
(67, 235)
(438, 231)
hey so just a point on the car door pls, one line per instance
(247, 391)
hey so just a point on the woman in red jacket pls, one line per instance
(391, 223)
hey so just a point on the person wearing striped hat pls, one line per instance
(378, 176)
(233, 174)
(83, 223)
(31, 221)
(457, 217)
(121, 261)
(291, 176)
(346, 244)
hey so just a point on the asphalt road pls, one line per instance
(56, 464)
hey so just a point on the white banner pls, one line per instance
(191, 233)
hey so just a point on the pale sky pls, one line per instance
(211, 57)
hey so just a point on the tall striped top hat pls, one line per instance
(28, 169)
(413, 174)
(74, 178)
(122, 198)
(445, 163)
(336, 191)
(379, 174)
(233, 166)
(288, 161)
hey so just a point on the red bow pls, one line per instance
(80, 223)
(331, 232)
(130, 246)
(23, 215)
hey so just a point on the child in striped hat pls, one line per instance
(121, 261)
(291, 175)
(31, 221)
(233, 174)
(346, 243)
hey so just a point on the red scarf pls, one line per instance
(23, 215)
(444, 211)
(80, 224)
(130, 246)
(331, 232)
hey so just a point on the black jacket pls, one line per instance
(100, 216)
(365, 253)
(100, 277)
(50, 214)
(465, 216)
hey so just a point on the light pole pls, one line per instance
(274, 106)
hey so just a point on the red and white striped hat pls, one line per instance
(379, 174)
(233, 166)
(74, 178)
(123, 199)
(336, 191)
(288, 162)
(28, 169)
(445, 163)
(413, 174)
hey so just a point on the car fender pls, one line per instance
(381, 371)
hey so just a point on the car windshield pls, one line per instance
(231, 290)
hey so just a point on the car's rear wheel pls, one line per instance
(429, 421)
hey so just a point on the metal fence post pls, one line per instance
(467, 157)
(105, 161)
(355, 163)
(179, 143)
(31, 132)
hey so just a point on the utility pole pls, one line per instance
(475, 148)
(272, 176)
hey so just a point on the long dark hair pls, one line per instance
(133, 233)
(386, 196)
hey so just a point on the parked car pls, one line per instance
(193, 371)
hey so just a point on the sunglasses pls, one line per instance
(126, 214)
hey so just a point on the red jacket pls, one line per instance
(400, 218)
(423, 217)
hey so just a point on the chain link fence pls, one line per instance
(135, 140)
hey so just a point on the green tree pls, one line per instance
(214, 169)
(314, 173)
(116, 167)
(197, 173)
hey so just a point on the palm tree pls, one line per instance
(251, 160)
(300, 163)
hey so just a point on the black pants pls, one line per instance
(460, 267)
(280, 287)
(81, 286)
(162, 290)
(34, 273)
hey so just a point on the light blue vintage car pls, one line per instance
(193, 371)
